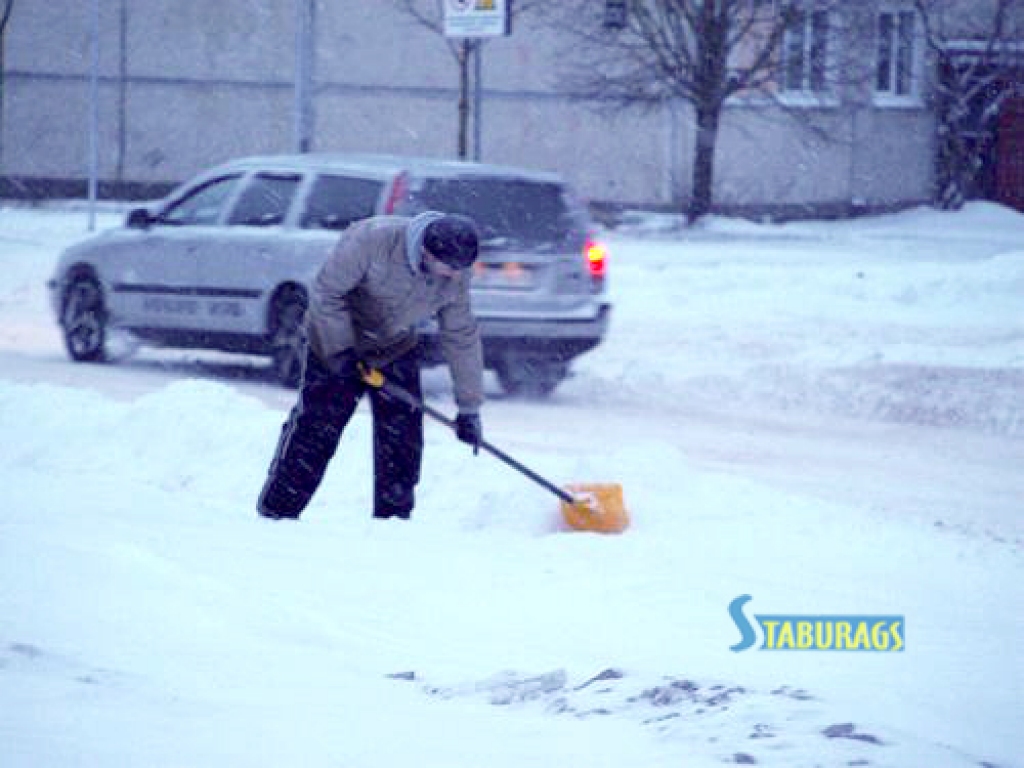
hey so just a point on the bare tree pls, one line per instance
(977, 48)
(429, 14)
(700, 52)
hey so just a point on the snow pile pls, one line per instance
(912, 318)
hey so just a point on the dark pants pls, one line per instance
(310, 437)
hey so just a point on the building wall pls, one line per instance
(189, 83)
(895, 158)
(777, 157)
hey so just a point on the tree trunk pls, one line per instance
(949, 188)
(704, 163)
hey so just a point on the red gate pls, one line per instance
(1010, 154)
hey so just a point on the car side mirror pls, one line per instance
(139, 218)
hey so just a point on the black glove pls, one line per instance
(469, 430)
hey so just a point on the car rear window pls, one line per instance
(523, 212)
(337, 201)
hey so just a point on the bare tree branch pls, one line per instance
(701, 52)
(5, 14)
(429, 14)
(972, 84)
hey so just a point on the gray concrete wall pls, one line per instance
(895, 157)
(792, 160)
(873, 157)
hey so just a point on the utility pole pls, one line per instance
(478, 98)
(94, 115)
(304, 56)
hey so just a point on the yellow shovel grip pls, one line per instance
(371, 376)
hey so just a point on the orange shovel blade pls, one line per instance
(598, 507)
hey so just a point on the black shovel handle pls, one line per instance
(400, 393)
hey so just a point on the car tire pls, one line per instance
(84, 320)
(288, 336)
(531, 378)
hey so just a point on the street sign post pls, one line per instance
(472, 21)
(477, 18)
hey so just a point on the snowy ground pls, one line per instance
(825, 416)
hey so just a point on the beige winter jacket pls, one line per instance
(372, 293)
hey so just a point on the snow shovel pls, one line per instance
(585, 506)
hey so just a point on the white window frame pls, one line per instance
(811, 38)
(899, 57)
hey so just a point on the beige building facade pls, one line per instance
(184, 84)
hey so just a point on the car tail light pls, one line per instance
(597, 259)
(399, 188)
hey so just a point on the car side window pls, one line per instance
(265, 200)
(337, 201)
(202, 205)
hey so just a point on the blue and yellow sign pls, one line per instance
(783, 632)
(477, 18)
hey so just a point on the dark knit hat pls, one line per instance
(453, 240)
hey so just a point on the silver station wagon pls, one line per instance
(226, 260)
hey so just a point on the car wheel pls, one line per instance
(531, 378)
(84, 321)
(288, 337)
